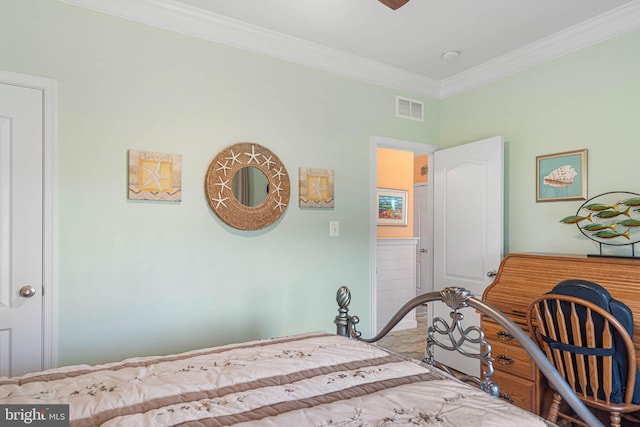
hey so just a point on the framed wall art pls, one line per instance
(392, 207)
(561, 176)
(155, 176)
(315, 188)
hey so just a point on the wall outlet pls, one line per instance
(334, 228)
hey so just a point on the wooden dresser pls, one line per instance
(520, 279)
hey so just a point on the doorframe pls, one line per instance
(418, 148)
(49, 89)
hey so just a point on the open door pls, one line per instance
(422, 214)
(468, 228)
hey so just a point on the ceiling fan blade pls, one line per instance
(394, 4)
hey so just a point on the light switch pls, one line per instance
(334, 228)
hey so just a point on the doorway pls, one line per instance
(417, 149)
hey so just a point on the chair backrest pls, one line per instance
(587, 336)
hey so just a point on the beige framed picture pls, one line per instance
(315, 188)
(155, 176)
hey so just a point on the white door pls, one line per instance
(421, 215)
(21, 229)
(468, 227)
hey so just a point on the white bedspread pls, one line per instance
(307, 380)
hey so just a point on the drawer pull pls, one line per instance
(504, 336)
(506, 397)
(505, 360)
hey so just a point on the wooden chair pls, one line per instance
(586, 344)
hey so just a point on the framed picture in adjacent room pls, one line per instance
(392, 206)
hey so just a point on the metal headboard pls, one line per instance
(456, 299)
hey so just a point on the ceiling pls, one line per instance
(402, 48)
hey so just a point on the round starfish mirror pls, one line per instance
(247, 186)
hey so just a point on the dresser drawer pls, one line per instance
(516, 390)
(495, 332)
(508, 356)
(512, 359)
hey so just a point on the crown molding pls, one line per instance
(177, 17)
(602, 27)
(173, 16)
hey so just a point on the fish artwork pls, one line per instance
(609, 234)
(597, 207)
(635, 201)
(573, 219)
(598, 227)
(630, 223)
(561, 177)
(611, 218)
(612, 214)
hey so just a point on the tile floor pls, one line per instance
(408, 342)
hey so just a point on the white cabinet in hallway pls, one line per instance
(395, 280)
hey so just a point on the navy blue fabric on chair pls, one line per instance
(598, 295)
(587, 335)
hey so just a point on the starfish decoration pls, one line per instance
(280, 205)
(253, 155)
(220, 200)
(222, 184)
(224, 168)
(279, 173)
(233, 158)
(268, 161)
(316, 188)
(154, 176)
(277, 189)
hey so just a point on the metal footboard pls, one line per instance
(456, 299)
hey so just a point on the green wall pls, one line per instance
(140, 278)
(588, 99)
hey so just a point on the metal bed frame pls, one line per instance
(454, 335)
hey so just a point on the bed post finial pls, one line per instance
(343, 298)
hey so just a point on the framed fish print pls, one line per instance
(392, 207)
(561, 176)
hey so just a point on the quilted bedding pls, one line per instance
(313, 379)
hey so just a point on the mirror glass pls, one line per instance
(250, 186)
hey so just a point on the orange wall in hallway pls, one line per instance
(395, 171)
(418, 163)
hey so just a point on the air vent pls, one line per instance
(409, 108)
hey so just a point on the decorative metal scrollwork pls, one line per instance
(611, 219)
(454, 336)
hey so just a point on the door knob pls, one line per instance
(424, 251)
(492, 273)
(27, 291)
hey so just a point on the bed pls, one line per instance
(313, 379)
